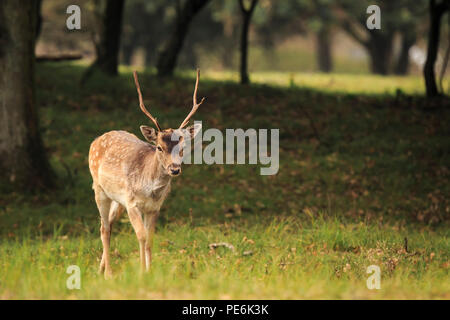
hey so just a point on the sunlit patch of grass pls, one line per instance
(283, 59)
(340, 83)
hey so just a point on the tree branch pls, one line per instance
(348, 27)
(445, 63)
(441, 6)
(249, 10)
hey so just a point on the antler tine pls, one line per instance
(141, 102)
(194, 95)
(194, 101)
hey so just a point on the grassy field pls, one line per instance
(287, 59)
(362, 167)
(335, 83)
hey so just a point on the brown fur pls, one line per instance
(131, 174)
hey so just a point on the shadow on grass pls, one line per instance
(372, 158)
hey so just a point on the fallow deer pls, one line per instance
(133, 175)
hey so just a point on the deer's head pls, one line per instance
(169, 142)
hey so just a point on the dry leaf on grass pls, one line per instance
(221, 244)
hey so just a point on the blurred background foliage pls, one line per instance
(292, 35)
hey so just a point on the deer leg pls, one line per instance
(104, 204)
(149, 225)
(136, 221)
(115, 212)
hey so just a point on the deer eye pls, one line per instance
(159, 148)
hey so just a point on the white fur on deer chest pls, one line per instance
(152, 195)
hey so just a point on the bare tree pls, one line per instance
(379, 43)
(39, 18)
(408, 39)
(246, 17)
(108, 46)
(437, 10)
(324, 37)
(167, 58)
(22, 158)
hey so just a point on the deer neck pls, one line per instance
(154, 172)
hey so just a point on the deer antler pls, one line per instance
(141, 102)
(194, 102)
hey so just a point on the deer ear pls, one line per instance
(149, 133)
(194, 129)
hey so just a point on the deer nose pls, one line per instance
(175, 170)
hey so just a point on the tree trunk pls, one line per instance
(189, 56)
(229, 44)
(38, 19)
(324, 58)
(167, 58)
(436, 13)
(244, 50)
(324, 36)
(108, 48)
(380, 52)
(128, 47)
(127, 54)
(246, 17)
(23, 163)
(408, 40)
(149, 55)
(378, 44)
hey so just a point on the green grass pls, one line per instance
(286, 60)
(334, 83)
(358, 174)
(284, 259)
